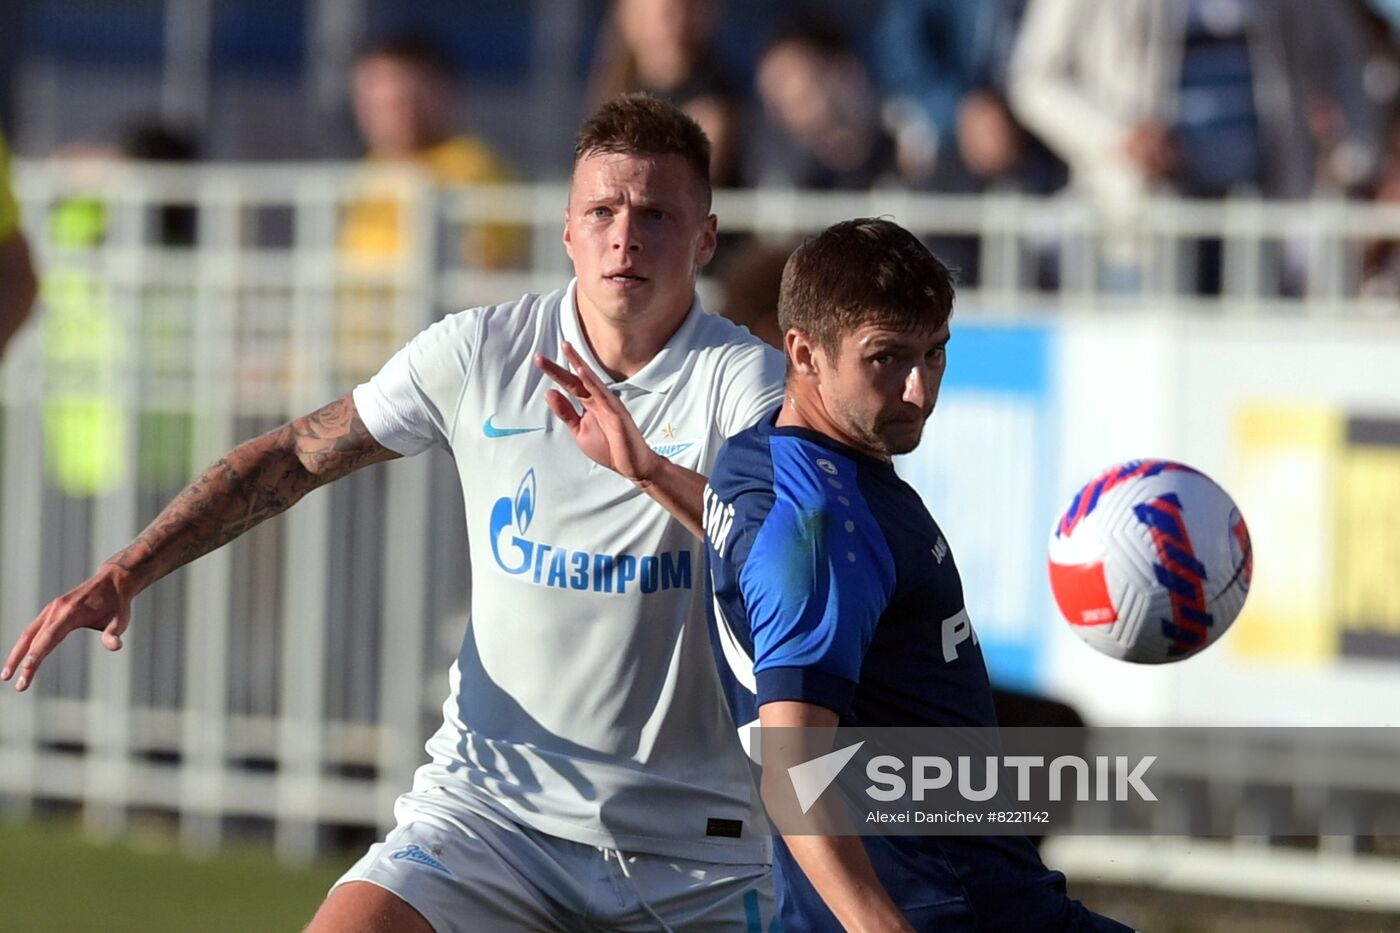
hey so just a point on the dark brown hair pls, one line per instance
(639, 124)
(863, 271)
(413, 49)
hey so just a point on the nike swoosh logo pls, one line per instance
(490, 430)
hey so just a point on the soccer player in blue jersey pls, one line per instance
(838, 599)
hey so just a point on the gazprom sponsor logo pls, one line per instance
(562, 568)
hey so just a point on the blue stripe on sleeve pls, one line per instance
(808, 684)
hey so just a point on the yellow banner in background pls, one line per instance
(1321, 494)
(1283, 479)
(1366, 536)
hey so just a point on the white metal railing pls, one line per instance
(293, 675)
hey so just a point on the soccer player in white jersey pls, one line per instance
(586, 775)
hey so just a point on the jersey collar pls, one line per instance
(656, 376)
(769, 425)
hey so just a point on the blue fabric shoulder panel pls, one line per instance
(817, 578)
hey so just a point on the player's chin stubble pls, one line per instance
(899, 437)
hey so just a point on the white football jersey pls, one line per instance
(584, 699)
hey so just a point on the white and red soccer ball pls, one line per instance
(1151, 562)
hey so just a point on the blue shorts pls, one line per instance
(949, 884)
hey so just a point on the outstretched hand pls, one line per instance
(604, 430)
(102, 602)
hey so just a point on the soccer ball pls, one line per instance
(1151, 562)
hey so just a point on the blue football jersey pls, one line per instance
(833, 585)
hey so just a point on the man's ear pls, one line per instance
(801, 353)
(709, 239)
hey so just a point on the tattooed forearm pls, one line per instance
(333, 442)
(252, 483)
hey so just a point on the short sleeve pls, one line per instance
(411, 403)
(815, 585)
(751, 387)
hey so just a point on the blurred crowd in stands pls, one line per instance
(1281, 99)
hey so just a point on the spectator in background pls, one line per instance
(404, 94)
(663, 47)
(18, 284)
(750, 285)
(403, 90)
(1197, 97)
(1380, 73)
(941, 63)
(1200, 98)
(822, 121)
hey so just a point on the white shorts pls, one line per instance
(464, 866)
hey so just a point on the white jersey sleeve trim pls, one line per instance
(389, 427)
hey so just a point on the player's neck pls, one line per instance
(624, 348)
(803, 408)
